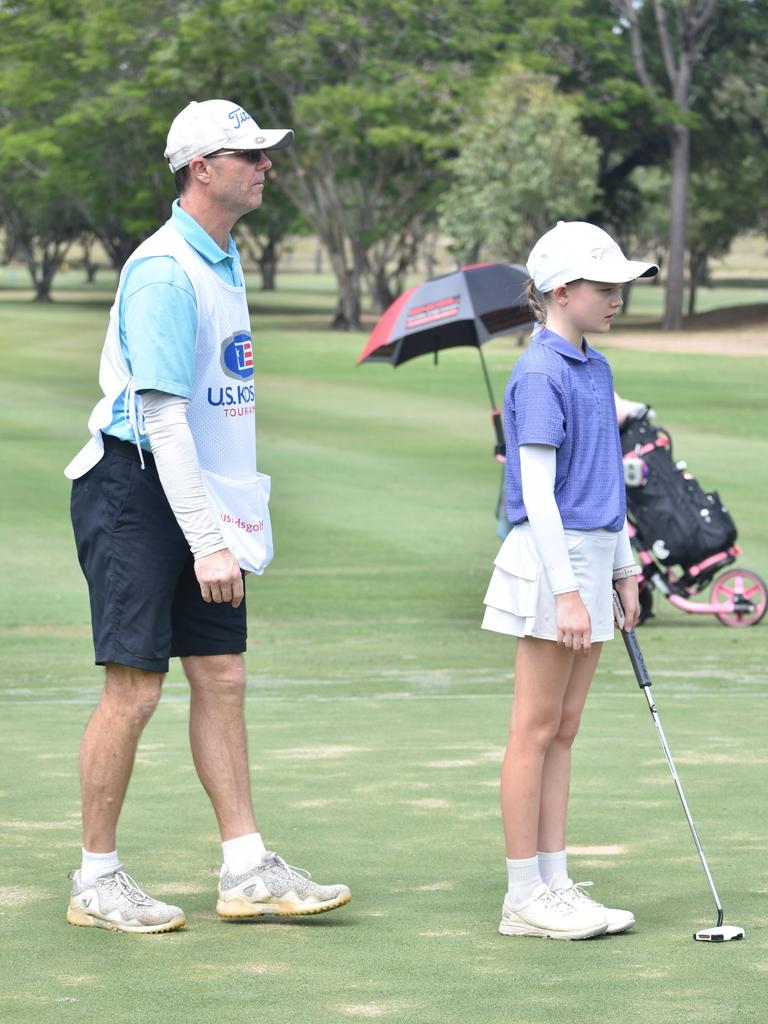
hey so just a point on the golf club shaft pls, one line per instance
(644, 681)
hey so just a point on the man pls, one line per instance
(169, 511)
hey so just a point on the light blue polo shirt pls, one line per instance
(560, 396)
(158, 317)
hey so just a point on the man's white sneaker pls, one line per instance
(548, 916)
(116, 902)
(274, 887)
(618, 920)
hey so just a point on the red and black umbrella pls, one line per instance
(469, 306)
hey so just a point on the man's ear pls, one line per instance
(200, 169)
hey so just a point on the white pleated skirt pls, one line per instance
(519, 600)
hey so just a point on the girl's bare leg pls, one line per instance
(556, 774)
(543, 671)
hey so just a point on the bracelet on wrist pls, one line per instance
(625, 572)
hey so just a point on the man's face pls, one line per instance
(237, 179)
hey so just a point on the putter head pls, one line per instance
(724, 933)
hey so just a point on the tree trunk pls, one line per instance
(697, 269)
(429, 254)
(347, 314)
(90, 266)
(679, 136)
(119, 247)
(268, 266)
(43, 271)
(471, 256)
(381, 294)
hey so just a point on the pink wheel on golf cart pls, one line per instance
(735, 584)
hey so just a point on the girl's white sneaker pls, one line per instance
(618, 920)
(547, 915)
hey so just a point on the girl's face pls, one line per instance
(591, 306)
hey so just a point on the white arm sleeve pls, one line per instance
(537, 470)
(165, 420)
(624, 555)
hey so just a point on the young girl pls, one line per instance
(553, 577)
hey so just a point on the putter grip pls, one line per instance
(633, 647)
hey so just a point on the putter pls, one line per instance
(721, 932)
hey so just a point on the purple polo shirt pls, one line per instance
(560, 396)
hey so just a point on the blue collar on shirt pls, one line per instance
(543, 336)
(198, 237)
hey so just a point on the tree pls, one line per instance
(80, 118)
(114, 127)
(524, 163)
(576, 42)
(374, 91)
(42, 227)
(34, 34)
(680, 32)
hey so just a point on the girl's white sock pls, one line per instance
(523, 878)
(554, 869)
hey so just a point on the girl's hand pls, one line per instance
(630, 600)
(574, 628)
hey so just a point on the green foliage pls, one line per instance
(375, 92)
(382, 96)
(89, 127)
(523, 165)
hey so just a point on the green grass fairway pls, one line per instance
(377, 714)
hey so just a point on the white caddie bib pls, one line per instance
(221, 412)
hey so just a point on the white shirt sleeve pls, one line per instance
(623, 555)
(538, 464)
(165, 421)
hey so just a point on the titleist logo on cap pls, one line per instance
(606, 250)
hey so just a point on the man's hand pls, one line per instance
(220, 578)
(574, 628)
(630, 601)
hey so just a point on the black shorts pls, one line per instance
(146, 605)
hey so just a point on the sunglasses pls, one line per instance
(253, 156)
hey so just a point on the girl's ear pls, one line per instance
(560, 294)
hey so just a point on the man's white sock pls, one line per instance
(95, 864)
(554, 869)
(523, 877)
(243, 853)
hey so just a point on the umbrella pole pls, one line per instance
(500, 448)
(487, 378)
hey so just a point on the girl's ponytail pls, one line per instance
(536, 303)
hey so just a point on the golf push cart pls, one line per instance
(684, 536)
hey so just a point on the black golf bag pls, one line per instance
(676, 520)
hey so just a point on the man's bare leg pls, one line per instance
(218, 739)
(108, 750)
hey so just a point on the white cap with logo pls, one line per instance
(575, 250)
(202, 128)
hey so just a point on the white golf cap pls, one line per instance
(202, 128)
(575, 250)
